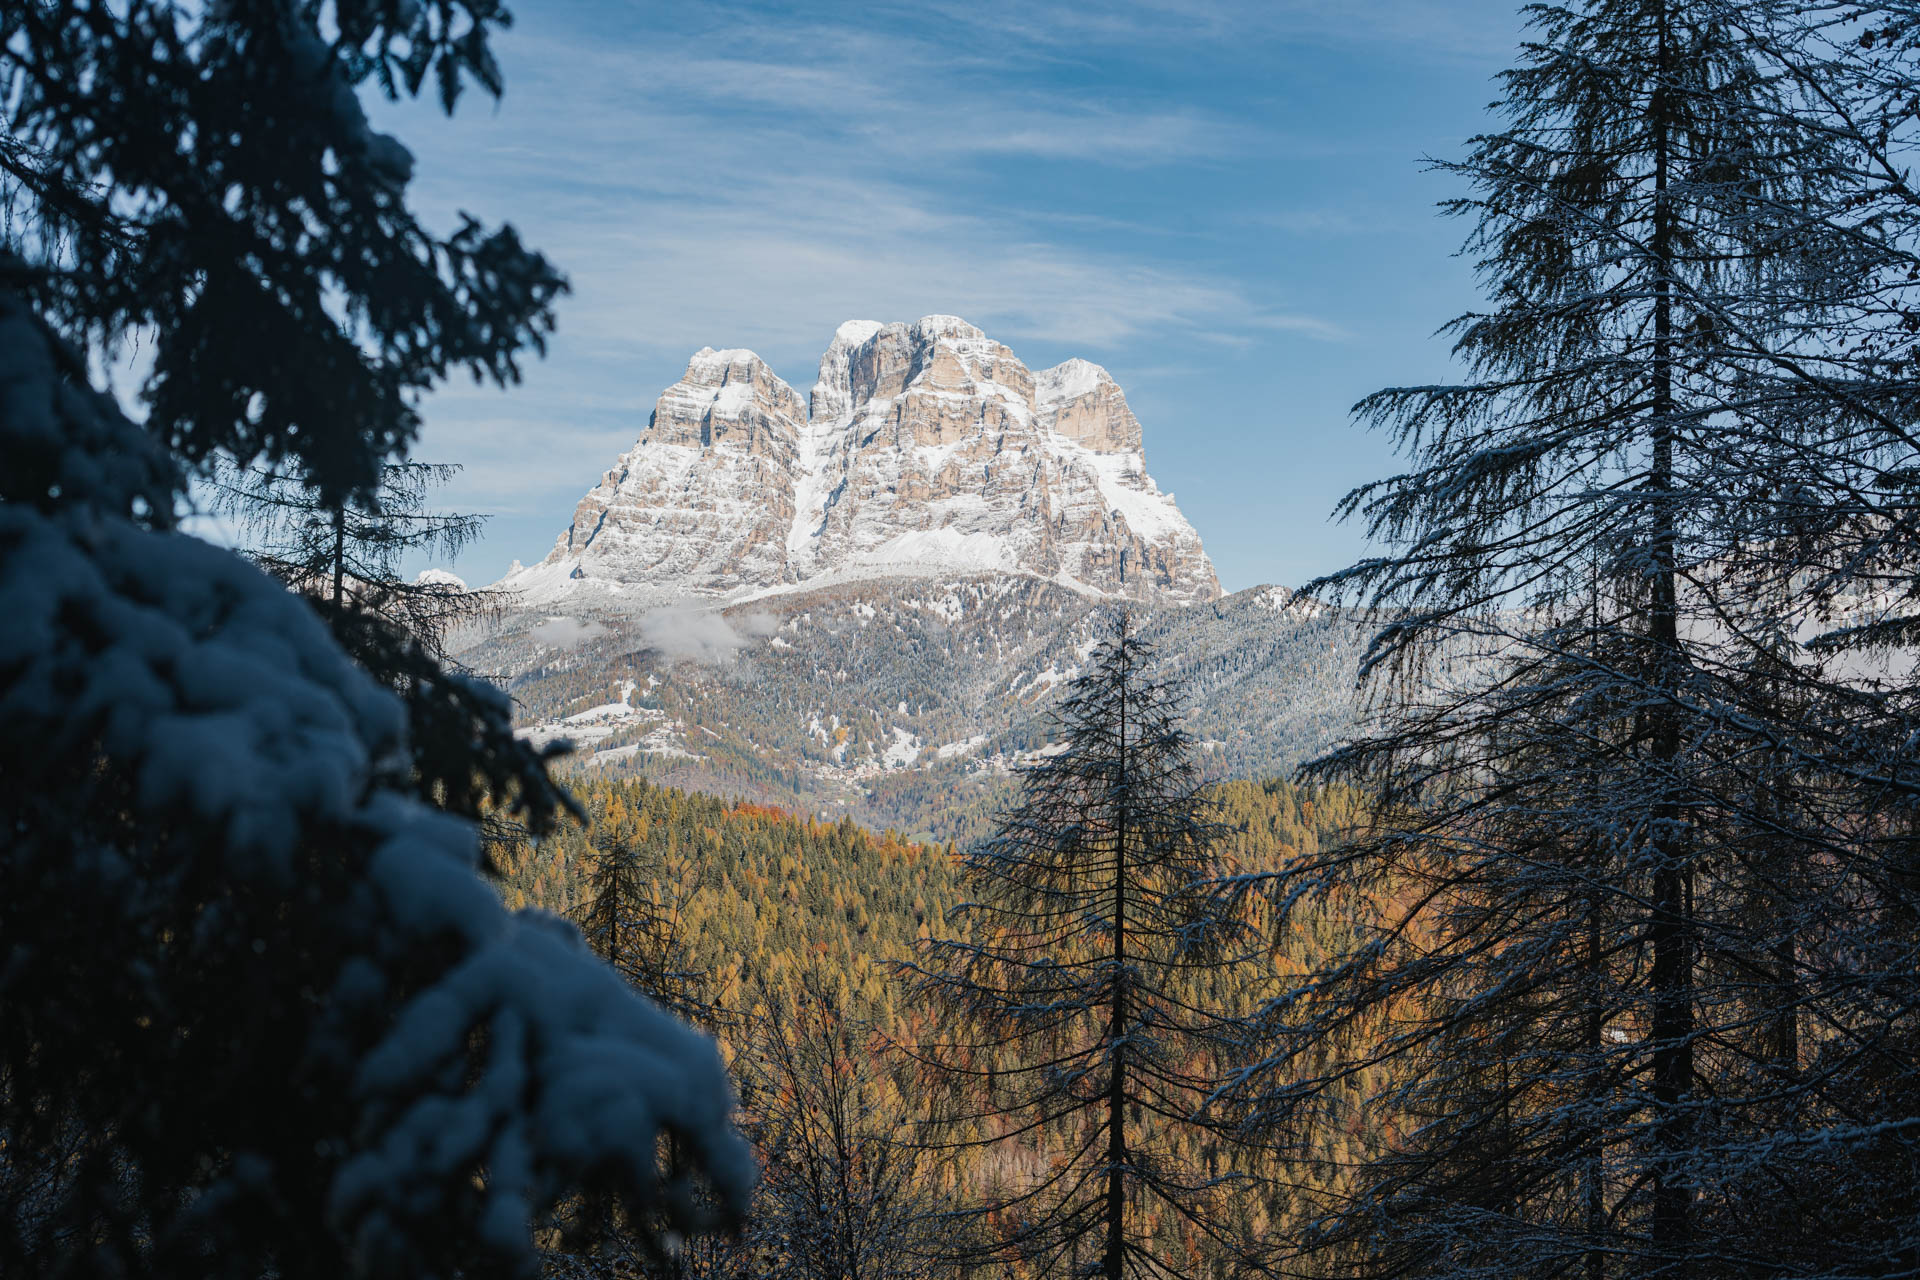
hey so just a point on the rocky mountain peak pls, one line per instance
(924, 447)
(1080, 401)
(728, 397)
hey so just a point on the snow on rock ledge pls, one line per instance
(704, 499)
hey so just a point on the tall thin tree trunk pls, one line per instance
(339, 552)
(1670, 926)
(1596, 1153)
(1117, 1030)
(1595, 995)
(1786, 1028)
(1783, 892)
(616, 908)
(844, 1155)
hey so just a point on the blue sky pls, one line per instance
(1222, 203)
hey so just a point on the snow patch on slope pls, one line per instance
(1129, 490)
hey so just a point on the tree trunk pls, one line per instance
(1596, 1152)
(1670, 926)
(1117, 1026)
(339, 552)
(1596, 997)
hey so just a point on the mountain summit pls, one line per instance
(924, 449)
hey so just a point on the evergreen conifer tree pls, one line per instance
(1615, 828)
(205, 176)
(1061, 1020)
(632, 919)
(259, 1014)
(343, 555)
(349, 553)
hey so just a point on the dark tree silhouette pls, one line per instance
(1060, 1019)
(349, 552)
(1625, 852)
(631, 917)
(206, 176)
(259, 1012)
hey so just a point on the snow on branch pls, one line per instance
(483, 1063)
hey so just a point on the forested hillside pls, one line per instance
(905, 704)
(772, 926)
(760, 897)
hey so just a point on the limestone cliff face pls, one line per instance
(704, 499)
(929, 454)
(1078, 401)
(925, 448)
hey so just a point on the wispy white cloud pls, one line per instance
(1311, 326)
(680, 224)
(567, 633)
(882, 98)
(748, 284)
(739, 175)
(531, 462)
(702, 635)
(1472, 29)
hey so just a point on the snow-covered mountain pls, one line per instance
(924, 449)
(866, 600)
(906, 701)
